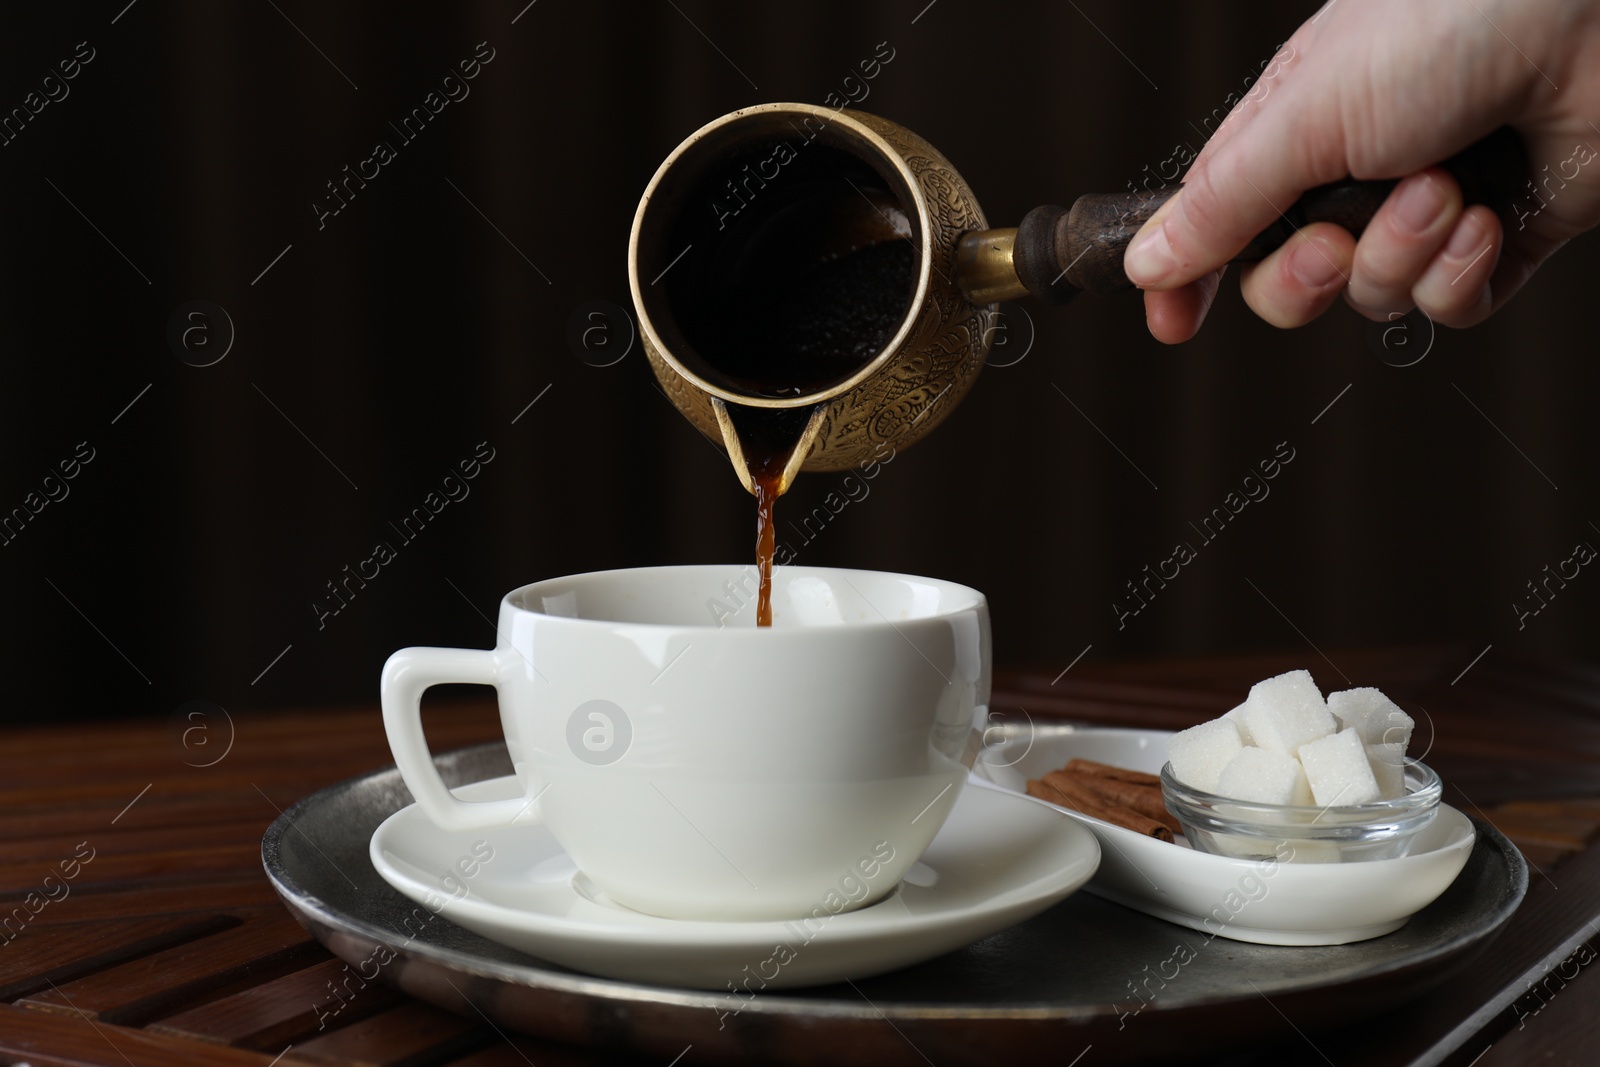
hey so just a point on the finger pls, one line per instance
(1302, 279)
(1175, 315)
(1331, 119)
(1403, 237)
(1238, 191)
(1455, 290)
(1175, 320)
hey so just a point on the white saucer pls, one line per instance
(998, 859)
(1242, 899)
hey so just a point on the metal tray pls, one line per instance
(1085, 973)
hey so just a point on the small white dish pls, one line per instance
(1263, 901)
(998, 859)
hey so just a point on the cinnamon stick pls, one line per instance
(1074, 794)
(1144, 799)
(1106, 770)
(1043, 791)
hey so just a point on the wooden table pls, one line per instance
(139, 929)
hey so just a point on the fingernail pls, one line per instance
(1468, 240)
(1313, 267)
(1149, 258)
(1419, 205)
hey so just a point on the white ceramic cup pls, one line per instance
(696, 767)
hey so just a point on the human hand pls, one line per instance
(1374, 89)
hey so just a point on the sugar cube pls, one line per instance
(1300, 850)
(1243, 848)
(1374, 716)
(1282, 850)
(1199, 753)
(1389, 768)
(1264, 777)
(1285, 712)
(1337, 768)
(1237, 716)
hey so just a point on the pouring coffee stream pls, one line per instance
(816, 286)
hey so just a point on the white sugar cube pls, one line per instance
(1199, 753)
(1285, 712)
(1284, 850)
(1299, 850)
(1337, 768)
(1237, 717)
(1244, 848)
(1374, 716)
(1388, 763)
(1264, 777)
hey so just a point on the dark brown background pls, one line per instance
(409, 330)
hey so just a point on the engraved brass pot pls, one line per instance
(913, 383)
(747, 167)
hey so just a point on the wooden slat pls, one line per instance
(406, 1036)
(1561, 831)
(153, 810)
(112, 795)
(38, 956)
(1584, 808)
(1547, 832)
(46, 852)
(267, 944)
(270, 753)
(286, 1010)
(230, 889)
(43, 1040)
(123, 743)
(1544, 858)
(1549, 1025)
(18, 879)
(1476, 782)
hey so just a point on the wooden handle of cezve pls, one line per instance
(1059, 253)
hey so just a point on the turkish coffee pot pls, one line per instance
(829, 270)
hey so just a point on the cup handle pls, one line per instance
(406, 676)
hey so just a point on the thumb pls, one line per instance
(1233, 193)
